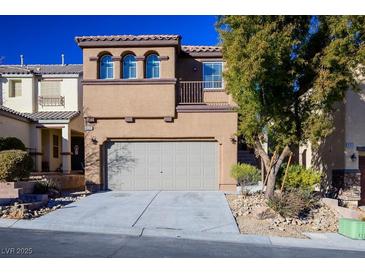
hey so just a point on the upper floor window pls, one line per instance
(129, 67)
(106, 67)
(212, 75)
(15, 88)
(51, 89)
(152, 66)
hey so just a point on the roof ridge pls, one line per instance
(25, 65)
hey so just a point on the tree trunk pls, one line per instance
(277, 161)
(270, 186)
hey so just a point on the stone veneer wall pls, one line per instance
(347, 184)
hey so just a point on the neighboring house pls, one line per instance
(157, 115)
(42, 106)
(342, 155)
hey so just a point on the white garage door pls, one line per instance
(162, 166)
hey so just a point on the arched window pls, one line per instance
(152, 66)
(106, 69)
(129, 67)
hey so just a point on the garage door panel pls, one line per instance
(162, 165)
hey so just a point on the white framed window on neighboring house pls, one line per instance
(213, 75)
(51, 89)
(15, 88)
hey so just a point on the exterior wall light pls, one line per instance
(94, 140)
(353, 157)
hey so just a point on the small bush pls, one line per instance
(245, 174)
(293, 203)
(45, 187)
(301, 178)
(14, 165)
(10, 143)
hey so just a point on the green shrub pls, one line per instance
(293, 203)
(301, 178)
(245, 174)
(14, 165)
(9, 143)
(45, 187)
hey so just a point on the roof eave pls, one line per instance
(148, 43)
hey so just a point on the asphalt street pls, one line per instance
(24, 243)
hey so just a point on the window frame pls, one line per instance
(42, 90)
(112, 67)
(135, 63)
(159, 66)
(55, 146)
(12, 88)
(212, 62)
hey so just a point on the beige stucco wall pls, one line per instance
(23, 103)
(129, 100)
(354, 126)
(220, 126)
(10, 127)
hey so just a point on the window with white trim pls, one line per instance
(129, 67)
(15, 88)
(213, 75)
(152, 66)
(106, 67)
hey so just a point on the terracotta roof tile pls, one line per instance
(201, 49)
(162, 37)
(12, 111)
(53, 115)
(43, 115)
(41, 69)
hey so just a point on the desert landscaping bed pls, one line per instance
(253, 216)
(30, 208)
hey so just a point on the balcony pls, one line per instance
(46, 101)
(200, 92)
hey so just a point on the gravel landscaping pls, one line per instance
(23, 209)
(253, 216)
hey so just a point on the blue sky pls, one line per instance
(42, 39)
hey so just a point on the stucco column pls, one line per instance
(140, 67)
(37, 146)
(66, 149)
(117, 67)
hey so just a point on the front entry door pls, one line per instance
(362, 170)
(77, 149)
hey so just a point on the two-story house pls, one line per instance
(42, 106)
(157, 115)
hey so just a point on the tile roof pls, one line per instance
(41, 69)
(53, 115)
(162, 37)
(204, 49)
(17, 113)
(42, 115)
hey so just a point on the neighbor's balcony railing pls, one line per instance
(192, 92)
(51, 101)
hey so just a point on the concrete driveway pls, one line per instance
(118, 211)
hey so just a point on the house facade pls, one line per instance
(42, 106)
(342, 155)
(157, 115)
